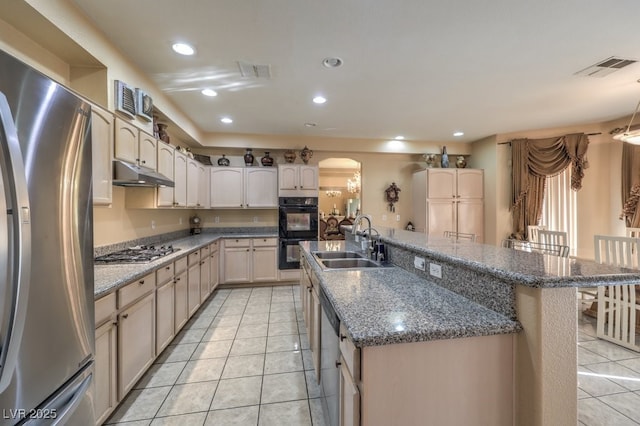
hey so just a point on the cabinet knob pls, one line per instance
(338, 364)
(114, 323)
(342, 337)
(141, 282)
(176, 280)
(144, 162)
(167, 268)
(202, 263)
(125, 316)
(247, 249)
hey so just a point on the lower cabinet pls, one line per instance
(205, 274)
(193, 277)
(106, 374)
(215, 266)
(136, 342)
(165, 315)
(182, 303)
(349, 397)
(247, 260)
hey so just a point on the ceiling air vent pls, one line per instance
(606, 67)
(254, 70)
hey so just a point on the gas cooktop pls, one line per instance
(140, 254)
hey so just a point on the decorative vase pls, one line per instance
(156, 129)
(461, 163)
(224, 161)
(266, 160)
(162, 133)
(248, 158)
(430, 159)
(444, 160)
(289, 156)
(306, 154)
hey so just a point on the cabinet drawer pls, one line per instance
(350, 353)
(180, 265)
(204, 251)
(237, 242)
(214, 246)
(136, 289)
(194, 257)
(104, 307)
(264, 242)
(164, 274)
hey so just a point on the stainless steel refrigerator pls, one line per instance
(46, 251)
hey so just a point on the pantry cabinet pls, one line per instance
(238, 187)
(102, 155)
(449, 200)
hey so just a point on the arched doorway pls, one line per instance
(340, 188)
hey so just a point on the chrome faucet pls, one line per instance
(354, 230)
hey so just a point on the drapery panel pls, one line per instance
(630, 185)
(532, 161)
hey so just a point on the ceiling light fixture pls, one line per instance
(632, 133)
(399, 138)
(309, 124)
(458, 134)
(226, 120)
(209, 92)
(332, 62)
(319, 100)
(183, 49)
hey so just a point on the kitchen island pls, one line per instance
(491, 292)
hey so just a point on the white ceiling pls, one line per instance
(418, 68)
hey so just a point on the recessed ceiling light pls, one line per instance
(399, 138)
(319, 100)
(226, 120)
(332, 62)
(457, 134)
(183, 49)
(209, 92)
(309, 124)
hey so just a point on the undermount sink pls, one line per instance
(338, 255)
(350, 263)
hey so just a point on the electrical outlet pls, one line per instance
(153, 224)
(180, 221)
(398, 218)
(216, 219)
(384, 217)
(419, 263)
(435, 270)
(255, 219)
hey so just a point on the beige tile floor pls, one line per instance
(608, 379)
(243, 359)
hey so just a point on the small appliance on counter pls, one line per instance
(195, 225)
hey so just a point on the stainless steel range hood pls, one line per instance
(127, 174)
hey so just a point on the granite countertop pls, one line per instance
(109, 277)
(514, 266)
(380, 306)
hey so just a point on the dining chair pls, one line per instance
(618, 305)
(460, 236)
(633, 232)
(552, 237)
(534, 247)
(532, 232)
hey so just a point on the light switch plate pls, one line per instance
(435, 270)
(419, 263)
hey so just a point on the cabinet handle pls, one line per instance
(167, 268)
(125, 316)
(309, 289)
(254, 249)
(338, 364)
(144, 162)
(141, 282)
(176, 280)
(247, 249)
(202, 263)
(114, 323)
(342, 337)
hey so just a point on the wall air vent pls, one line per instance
(125, 99)
(254, 70)
(606, 67)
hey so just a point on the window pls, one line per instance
(559, 208)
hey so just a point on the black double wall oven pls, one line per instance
(298, 221)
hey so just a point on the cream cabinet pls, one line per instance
(136, 341)
(297, 180)
(102, 156)
(106, 354)
(147, 150)
(215, 262)
(165, 167)
(165, 307)
(192, 184)
(312, 312)
(449, 200)
(203, 187)
(238, 187)
(193, 278)
(134, 145)
(250, 260)
(181, 313)
(205, 273)
(179, 179)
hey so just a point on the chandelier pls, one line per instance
(353, 185)
(632, 133)
(333, 193)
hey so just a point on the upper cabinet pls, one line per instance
(102, 156)
(239, 187)
(135, 146)
(180, 179)
(193, 175)
(165, 167)
(204, 182)
(297, 180)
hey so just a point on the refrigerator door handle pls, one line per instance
(15, 248)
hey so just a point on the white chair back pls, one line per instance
(633, 232)
(552, 237)
(532, 232)
(530, 246)
(460, 236)
(618, 305)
